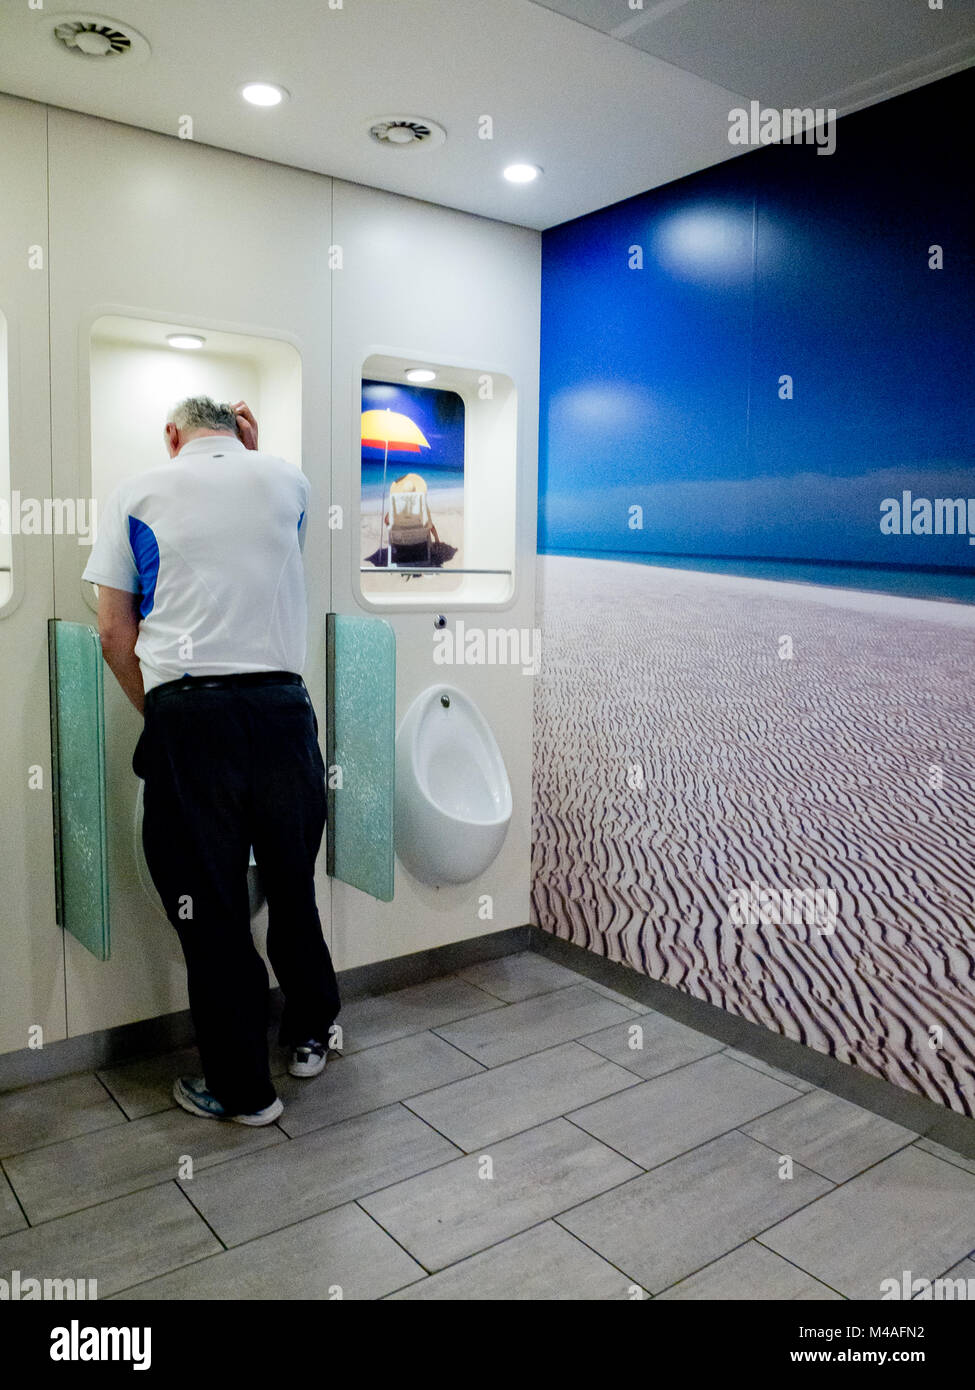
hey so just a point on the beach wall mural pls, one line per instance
(754, 767)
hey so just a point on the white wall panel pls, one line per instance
(451, 288)
(31, 950)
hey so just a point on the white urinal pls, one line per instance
(254, 890)
(453, 797)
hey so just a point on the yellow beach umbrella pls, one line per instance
(386, 429)
(391, 429)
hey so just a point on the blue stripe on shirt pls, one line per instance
(145, 548)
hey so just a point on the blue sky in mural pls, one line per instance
(439, 414)
(660, 386)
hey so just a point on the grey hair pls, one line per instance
(201, 413)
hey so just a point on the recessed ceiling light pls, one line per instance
(185, 340)
(420, 374)
(522, 173)
(263, 94)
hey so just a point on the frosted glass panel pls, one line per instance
(78, 774)
(361, 743)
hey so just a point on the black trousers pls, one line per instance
(228, 767)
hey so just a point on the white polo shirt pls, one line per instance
(211, 541)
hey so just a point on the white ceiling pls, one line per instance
(608, 99)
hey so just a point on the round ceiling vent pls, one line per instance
(97, 36)
(407, 133)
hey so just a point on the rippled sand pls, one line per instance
(850, 767)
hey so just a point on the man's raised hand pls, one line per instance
(246, 424)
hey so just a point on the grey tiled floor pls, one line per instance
(510, 1131)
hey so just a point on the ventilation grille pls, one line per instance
(407, 132)
(96, 36)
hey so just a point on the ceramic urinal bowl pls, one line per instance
(453, 797)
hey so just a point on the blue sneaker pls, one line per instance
(191, 1093)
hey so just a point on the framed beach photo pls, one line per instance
(412, 488)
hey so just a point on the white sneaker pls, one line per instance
(308, 1058)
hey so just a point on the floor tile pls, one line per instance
(368, 1080)
(518, 1029)
(518, 1095)
(659, 1119)
(753, 1274)
(664, 1044)
(380, 1019)
(830, 1135)
(324, 1169)
(341, 1253)
(138, 1153)
(617, 995)
(54, 1110)
(911, 1212)
(545, 1263)
(145, 1086)
(670, 1222)
(443, 1216)
(786, 1077)
(517, 977)
(949, 1155)
(11, 1216)
(116, 1243)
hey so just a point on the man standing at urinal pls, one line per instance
(202, 615)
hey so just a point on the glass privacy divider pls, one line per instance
(76, 670)
(360, 666)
